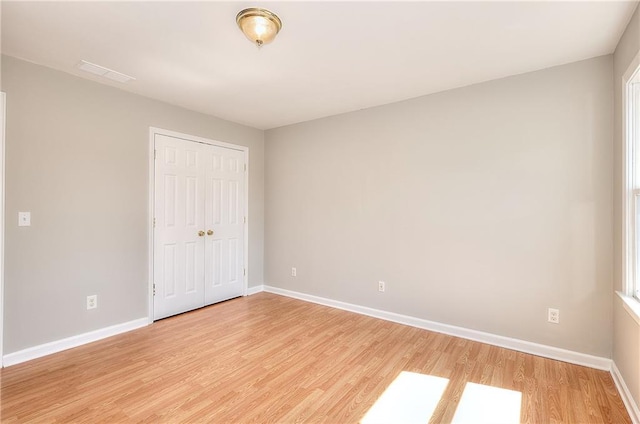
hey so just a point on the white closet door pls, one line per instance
(199, 227)
(179, 216)
(224, 217)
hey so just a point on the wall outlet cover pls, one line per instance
(92, 301)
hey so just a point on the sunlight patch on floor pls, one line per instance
(410, 398)
(486, 404)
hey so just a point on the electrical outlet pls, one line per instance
(294, 272)
(554, 316)
(380, 286)
(92, 301)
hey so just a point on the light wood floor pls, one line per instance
(267, 358)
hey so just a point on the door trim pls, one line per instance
(153, 131)
(3, 117)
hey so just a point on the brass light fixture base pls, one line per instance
(259, 25)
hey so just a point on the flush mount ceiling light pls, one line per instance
(259, 25)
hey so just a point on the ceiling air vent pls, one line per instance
(104, 72)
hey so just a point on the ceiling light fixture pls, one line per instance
(259, 25)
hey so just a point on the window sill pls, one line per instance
(631, 305)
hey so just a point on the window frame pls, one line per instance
(631, 183)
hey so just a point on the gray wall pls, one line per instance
(480, 207)
(626, 333)
(77, 158)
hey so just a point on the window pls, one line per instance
(632, 181)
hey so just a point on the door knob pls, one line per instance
(200, 233)
(209, 232)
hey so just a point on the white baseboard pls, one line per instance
(255, 289)
(479, 336)
(625, 394)
(70, 342)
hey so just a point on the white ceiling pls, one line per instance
(329, 58)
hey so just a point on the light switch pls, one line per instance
(24, 219)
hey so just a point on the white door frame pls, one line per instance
(159, 131)
(3, 118)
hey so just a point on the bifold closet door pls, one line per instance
(225, 218)
(179, 219)
(199, 212)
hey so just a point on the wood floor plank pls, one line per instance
(268, 358)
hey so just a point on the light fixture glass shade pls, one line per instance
(259, 25)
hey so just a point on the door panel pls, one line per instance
(179, 215)
(224, 214)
